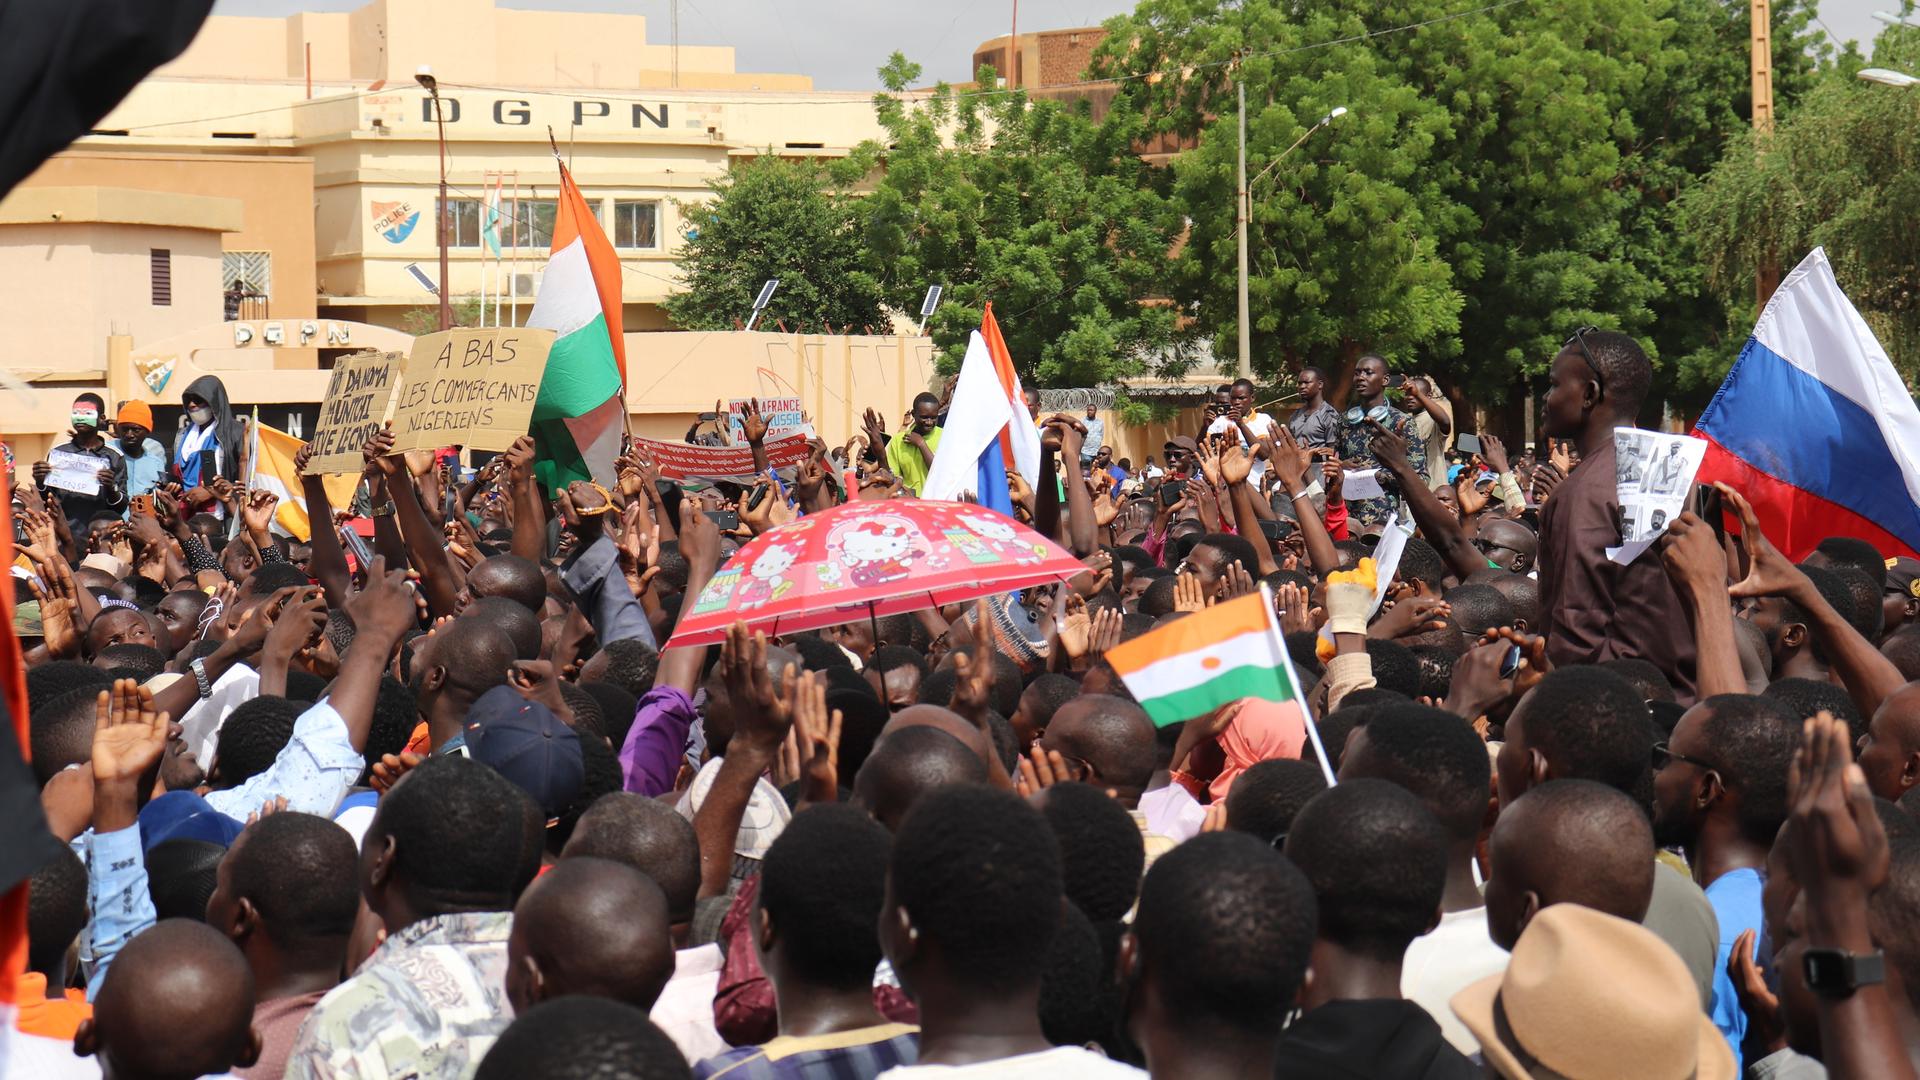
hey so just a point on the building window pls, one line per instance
(246, 277)
(463, 223)
(532, 223)
(160, 262)
(636, 223)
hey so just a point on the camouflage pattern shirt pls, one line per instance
(428, 1003)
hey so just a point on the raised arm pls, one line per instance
(762, 717)
(328, 560)
(425, 548)
(1295, 462)
(1236, 465)
(1437, 523)
(1080, 530)
(529, 509)
(1692, 555)
(381, 612)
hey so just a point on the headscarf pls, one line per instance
(1259, 731)
(226, 431)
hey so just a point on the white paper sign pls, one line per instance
(782, 415)
(1361, 484)
(78, 473)
(1653, 472)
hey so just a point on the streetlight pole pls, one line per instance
(425, 78)
(1888, 77)
(1242, 211)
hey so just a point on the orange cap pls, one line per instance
(135, 412)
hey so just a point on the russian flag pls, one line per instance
(987, 426)
(1814, 426)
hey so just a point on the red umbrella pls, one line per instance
(866, 559)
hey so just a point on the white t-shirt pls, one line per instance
(684, 1009)
(1059, 1062)
(1259, 423)
(1441, 964)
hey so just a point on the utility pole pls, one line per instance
(1013, 49)
(425, 78)
(1242, 211)
(1760, 28)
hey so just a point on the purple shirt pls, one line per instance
(657, 741)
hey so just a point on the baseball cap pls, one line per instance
(526, 743)
(184, 815)
(1903, 576)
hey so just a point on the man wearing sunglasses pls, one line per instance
(1596, 610)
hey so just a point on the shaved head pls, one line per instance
(909, 763)
(177, 1002)
(647, 835)
(522, 627)
(1111, 734)
(1569, 842)
(589, 926)
(511, 576)
(946, 720)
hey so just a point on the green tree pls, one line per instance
(419, 321)
(1841, 171)
(1030, 205)
(1502, 176)
(773, 218)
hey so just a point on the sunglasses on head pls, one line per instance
(1578, 340)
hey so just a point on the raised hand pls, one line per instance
(762, 712)
(1560, 456)
(1236, 464)
(1415, 615)
(1838, 846)
(1769, 573)
(129, 734)
(1104, 632)
(1073, 625)
(1291, 459)
(1765, 1030)
(1039, 770)
(298, 628)
(1294, 605)
(390, 768)
(1188, 594)
(1691, 553)
(384, 606)
(1236, 582)
(1494, 452)
(816, 740)
(1389, 447)
(59, 624)
(377, 453)
(257, 514)
(752, 422)
(302, 458)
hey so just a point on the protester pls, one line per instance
(110, 478)
(1315, 423)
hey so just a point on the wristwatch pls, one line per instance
(1836, 973)
(199, 669)
(385, 509)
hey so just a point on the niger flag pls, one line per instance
(577, 419)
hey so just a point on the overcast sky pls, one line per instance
(841, 43)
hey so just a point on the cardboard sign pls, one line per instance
(80, 473)
(470, 387)
(359, 399)
(685, 461)
(782, 415)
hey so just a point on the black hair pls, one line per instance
(142, 662)
(97, 404)
(583, 1038)
(302, 874)
(845, 677)
(1395, 667)
(647, 835)
(673, 565)
(1419, 562)
(817, 653)
(270, 577)
(631, 666)
(924, 398)
(1902, 647)
(1478, 608)
(340, 632)
(1225, 928)
(1893, 911)
(1591, 724)
(1868, 615)
(47, 681)
(1376, 858)
(1157, 599)
(1006, 741)
(1133, 624)
(617, 709)
(60, 732)
(587, 718)
(521, 580)
(1644, 676)
(938, 686)
(1049, 692)
(822, 884)
(1436, 670)
(1753, 740)
(1266, 798)
(395, 714)
(251, 736)
(1075, 1006)
(1859, 554)
(1622, 366)
(180, 877)
(1125, 555)
(431, 816)
(862, 716)
(1352, 551)
(1804, 697)
(1100, 853)
(979, 874)
(1303, 648)
(522, 626)
(888, 657)
(601, 776)
(56, 912)
(1236, 548)
(146, 592)
(1437, 756)
(1831, 589)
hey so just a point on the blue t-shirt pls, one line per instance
(1735, 897)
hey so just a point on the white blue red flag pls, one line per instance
(987, 427)
(1815, 427)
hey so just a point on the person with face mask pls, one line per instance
(209, 442)
(80, 508)
(146, 459)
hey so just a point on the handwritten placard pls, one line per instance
(359, 399)
(80, 473)
(782, 415)
(470, 387)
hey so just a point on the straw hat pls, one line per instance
(1588, 996)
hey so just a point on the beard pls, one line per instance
(181, 771)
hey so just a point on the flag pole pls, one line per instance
(1293, 680)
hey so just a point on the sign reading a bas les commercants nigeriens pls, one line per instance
(472, 388)
(359, 399)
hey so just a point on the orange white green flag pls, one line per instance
(578, 418)
(1194, 665)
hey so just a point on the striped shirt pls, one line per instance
(860, 1054)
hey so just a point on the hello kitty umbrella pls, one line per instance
(863, 560)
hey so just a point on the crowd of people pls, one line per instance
(422, 795)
